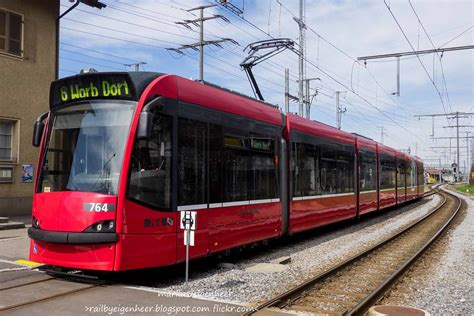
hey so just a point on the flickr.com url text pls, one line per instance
(165, 309)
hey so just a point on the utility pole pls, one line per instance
(440, 171)
(288, 96)
(307, 99)
(382, 133)
(302, 28)
(455, 115)
(339, 110)
(287, 90)
(457, 126)
(307, 96)
(199, 22)
(398, 77)
(450, 138)
(468, 162)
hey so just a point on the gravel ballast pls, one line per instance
(232, 283)
(442, 283)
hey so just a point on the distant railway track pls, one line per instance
(41, 288)
(353, 286)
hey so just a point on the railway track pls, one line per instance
(41, 287)
(353, 286)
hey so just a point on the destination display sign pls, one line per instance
(91, 86)
(262, 144)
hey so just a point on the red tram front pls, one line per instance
(121, 154)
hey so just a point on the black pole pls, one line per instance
(248, 70)
(57, 34)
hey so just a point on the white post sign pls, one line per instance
(188, 223)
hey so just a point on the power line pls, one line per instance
(111, 37)
(457, 36)
(440, 61)
(119, 31)
(162, 47)
(90, 56)
(128, 22)
(337, 48)
(155, 46)
(319, 35)
(98, 52)
(94, 64)
(418, 57)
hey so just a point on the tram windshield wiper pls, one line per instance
(105, 174)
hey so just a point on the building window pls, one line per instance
(6, 131)
(11, 31)
(6, 174)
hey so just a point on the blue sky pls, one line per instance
(130, 31)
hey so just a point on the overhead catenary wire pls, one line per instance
(418, 57)
(98, 52)
(91, 63)
(439, 56)
(234, 52)
(90, 56)
(147, 27)
(331, 44)
(232, 66)
(345, 86)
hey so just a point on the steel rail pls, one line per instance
(286, 296)
(373, 297)
(25, 284)
(88, 281)
(47, 298)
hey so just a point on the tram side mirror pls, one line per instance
(146, 118)
(37, 133)
(144, 125)
(38, 129)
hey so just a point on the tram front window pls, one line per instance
(86, 145)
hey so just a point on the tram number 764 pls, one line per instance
(99, 207)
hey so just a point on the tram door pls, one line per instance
(191, 173)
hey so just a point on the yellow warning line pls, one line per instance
(28, 263)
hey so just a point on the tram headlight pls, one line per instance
(101, 227)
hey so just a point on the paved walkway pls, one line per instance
(114, 299)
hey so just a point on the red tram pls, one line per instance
(121, 154)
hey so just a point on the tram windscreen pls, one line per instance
(86, 146)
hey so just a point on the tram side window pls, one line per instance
(387, 172)
(411, 173)
(408, 173)
(263, 181)
(216, 160)
(345, 171)
(368, 170)
(298, 152)
(191, 162)
(306, 170)
(236, 161)
(151, 166)
(328, 170)
(249, 170)
(401, 173)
